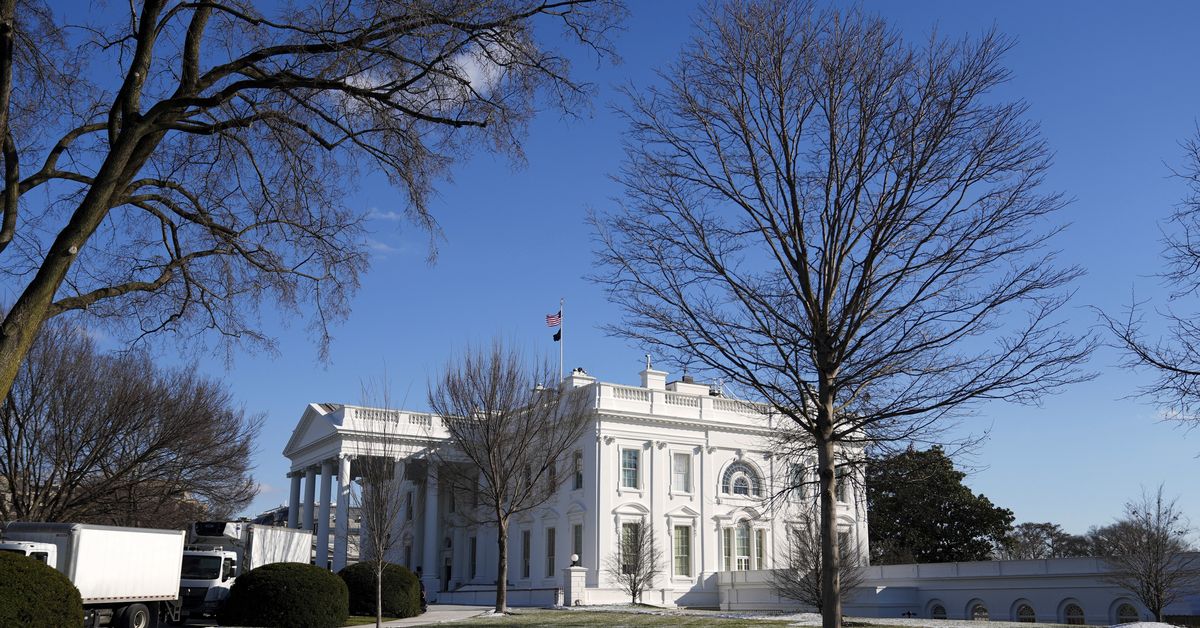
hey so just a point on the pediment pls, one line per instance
(631, 508)
(315, 425)
(683, 512)
(739, 513)
(576, 507)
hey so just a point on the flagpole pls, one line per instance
(561, 339)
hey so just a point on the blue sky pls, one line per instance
(1114, 88)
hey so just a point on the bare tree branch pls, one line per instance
(844, 226)
(258, 125)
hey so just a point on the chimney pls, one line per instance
(579, 378)
(654, 380)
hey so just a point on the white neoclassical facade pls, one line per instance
(697, 469)
(692, 465)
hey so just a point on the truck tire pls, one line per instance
(135, 616)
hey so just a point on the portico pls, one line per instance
(332, 441)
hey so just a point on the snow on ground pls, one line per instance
(814, 619)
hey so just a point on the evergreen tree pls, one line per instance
(920, 511)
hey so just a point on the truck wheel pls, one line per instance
(135, 616)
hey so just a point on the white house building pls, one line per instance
(694, 466)
(678, 457)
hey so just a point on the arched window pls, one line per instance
(1025, 614)
(1073, 615)
(937, 612)
(979, 612)
(1126, 613)
(740, 479)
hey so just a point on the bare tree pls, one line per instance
(115, 439)
(1174, 358)
(188, 160)
(380, 503)
(380, 495)
(636, 562)
(800, 579)
(1035, 541)
(1149, 554)
(507, 434)
(846, 227)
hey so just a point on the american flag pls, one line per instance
(554, 320)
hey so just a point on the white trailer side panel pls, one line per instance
(269, 544)
(110, 564)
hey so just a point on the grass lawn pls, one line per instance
(537, 617)
(363, 620)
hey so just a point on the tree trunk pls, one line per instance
(502, 567)
(831, 611)
(379, 566)
(31, 309)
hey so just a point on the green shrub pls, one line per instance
(287, 595)
(401, 590)
(37, 596)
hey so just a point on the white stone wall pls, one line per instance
(1047, 586)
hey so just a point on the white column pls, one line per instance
(310, 495)
(294, 501)
(342, 529)
(431, 541)
(322, 558)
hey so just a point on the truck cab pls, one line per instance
(205, 578)
(46, 553)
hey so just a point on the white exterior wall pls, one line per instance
(656, 419)
(1047, 586)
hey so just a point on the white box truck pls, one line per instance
(127, 577)
(219, 551)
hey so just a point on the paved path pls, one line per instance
(440, 613)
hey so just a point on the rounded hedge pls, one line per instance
(287, 595)
(35, 595)
(401, 590)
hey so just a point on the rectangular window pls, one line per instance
(796, 481)
(577, 541)
(550, 552)
(578, 470)
(760, 549)
(727, 545)
(629, 467)
(841, 479)
(408, 514)
(681, 472)
(408, 556)
(528, 476)
(552, 474)
(525, 550)
(843, 539)
(683, 550)
(450, 500)
(474, 557)
(742, 548)
(630, 550)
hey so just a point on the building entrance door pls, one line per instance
(446, 575)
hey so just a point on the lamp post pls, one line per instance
(574, 560)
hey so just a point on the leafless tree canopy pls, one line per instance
(1174, 358)
(846, 226)
(800, 578)
(114, 439)
(169, 165)
(636, 561)
(1149, 553)
(510, 437)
